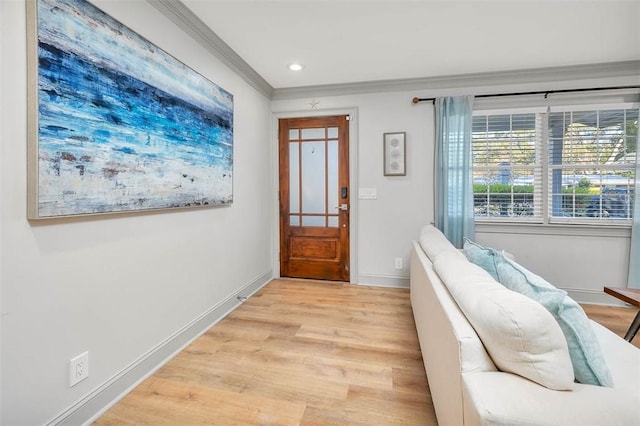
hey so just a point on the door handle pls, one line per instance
(343, 207)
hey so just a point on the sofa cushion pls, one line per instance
(519, 334)
(434, 243)
(584, 348)
(623, 360)
(494, 398)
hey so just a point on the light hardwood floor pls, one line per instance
(614, 318)
(301, 352)
(297, 352)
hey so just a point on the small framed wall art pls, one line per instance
(395, 154)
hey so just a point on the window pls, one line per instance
(506, 165)
(572, 165)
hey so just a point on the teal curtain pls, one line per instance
(453, 169)
(634, 251)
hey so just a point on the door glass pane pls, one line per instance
(294, 134)
(313, 221)
(332, 132)
(333, 221)
(294, 221)
(294, 177)
(332, 174)
(313, 133)
(313, 178)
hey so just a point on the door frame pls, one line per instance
(353, 184)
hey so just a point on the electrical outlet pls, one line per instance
(398, 263)
(78, 368)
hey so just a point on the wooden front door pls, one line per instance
(314, 197)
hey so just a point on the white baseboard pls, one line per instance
(109, 393)
(593, 297)
(580, 295)
(383, 281)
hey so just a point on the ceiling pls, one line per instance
(356, 41)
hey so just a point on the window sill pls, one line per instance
(618, 231)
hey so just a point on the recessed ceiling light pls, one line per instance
(295, 67)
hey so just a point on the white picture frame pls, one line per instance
(394, 148)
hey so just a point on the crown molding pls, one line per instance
(630, 69)
(189, 22)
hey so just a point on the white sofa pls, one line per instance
(468, 389)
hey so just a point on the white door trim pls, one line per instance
(353, 183)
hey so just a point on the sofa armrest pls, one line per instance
(497, 398)
(447, 340)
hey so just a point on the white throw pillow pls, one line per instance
(520, 335)
(433, 242)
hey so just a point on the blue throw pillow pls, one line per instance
(586, 355)
(482, 256)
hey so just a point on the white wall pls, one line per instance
(579, 260)
(117, 286)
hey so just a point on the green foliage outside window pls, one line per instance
(518, 200)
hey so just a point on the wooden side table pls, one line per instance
(632, 297)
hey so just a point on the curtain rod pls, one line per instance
(546, 93)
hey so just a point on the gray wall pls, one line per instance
(119, 286)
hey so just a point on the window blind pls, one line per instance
(591, 163)
(564, 164)
(507, 165)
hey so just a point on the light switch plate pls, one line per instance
(367, 193)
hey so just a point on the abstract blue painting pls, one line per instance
(120, 124)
